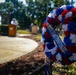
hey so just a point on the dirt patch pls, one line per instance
(25, 64)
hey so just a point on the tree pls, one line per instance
(58, 3)
(37, 10)
(34, 11)
(14, 9)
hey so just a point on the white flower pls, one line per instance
(49, 15)
(73, 38)
(53, 50)
(69, 14)
(60, 17)
(65, 26)
(73, 57)
(74, 5)
(64, 7)
(54, 13)
(58, 57)
(42, 40)
(43, 30)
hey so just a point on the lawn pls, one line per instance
(23, 31)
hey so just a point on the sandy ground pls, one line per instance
(14, 47)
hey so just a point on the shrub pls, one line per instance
(4, 29)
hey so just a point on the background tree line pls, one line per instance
(33, 11)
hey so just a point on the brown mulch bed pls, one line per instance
(25, 64)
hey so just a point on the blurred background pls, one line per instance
(28, 11)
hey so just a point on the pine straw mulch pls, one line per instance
(26, 64)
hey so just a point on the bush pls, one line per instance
(4, 29)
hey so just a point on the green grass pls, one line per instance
(28, 32)
(23, 31)
(64, 70)
(38, 36)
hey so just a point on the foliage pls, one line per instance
(13, 9)
(4, 29)
(34, 11)
(37, 10)
(64, 70)
(58, 3)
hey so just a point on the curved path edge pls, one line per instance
(14, 47)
